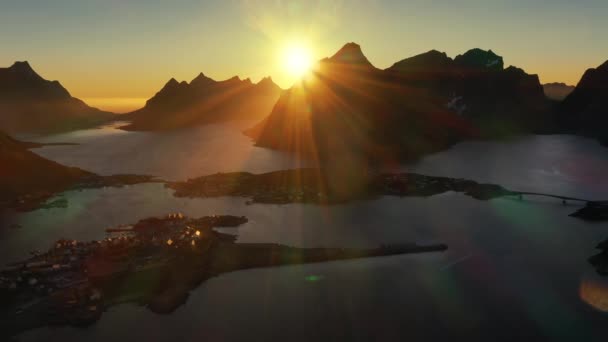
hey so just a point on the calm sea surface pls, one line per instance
(514, 269)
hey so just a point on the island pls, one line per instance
(314, 185)
(155, 262)
(311, 185)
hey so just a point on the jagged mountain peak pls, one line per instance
(31, 103)
(23, 70)
(204, 101)
(351, 46)
(268, 84)
(435, 53)
(234, 80)
(515, 69)
(201, 79)
(430, 60)
(22, 81)
(21, 65)
(350, 53)
(172, 82)
(172, 85)
(478, 58)
(266, 80)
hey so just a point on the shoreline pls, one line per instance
(156, 263)
(305, 185)
(313, 186)
(38, 200)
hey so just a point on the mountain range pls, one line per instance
(29, 103)
(475, 85)
(348, 107)
(418, 105)
(204, 100)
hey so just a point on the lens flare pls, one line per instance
(297, 60)
(594, 293)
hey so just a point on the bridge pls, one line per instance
(564, 199)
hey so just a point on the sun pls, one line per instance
(297, 60)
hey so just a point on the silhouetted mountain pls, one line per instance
(203, 100)
(497, 101)
(29, 103)
(419, 105)
(432, 61)
(24, 172)
(477, 58)
(585, 111)
(350, 54)
(347, 112)
(557, 91)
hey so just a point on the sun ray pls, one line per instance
(297, 60)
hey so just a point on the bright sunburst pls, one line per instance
(297, 60)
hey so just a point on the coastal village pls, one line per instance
(67, 283)
(155, 262)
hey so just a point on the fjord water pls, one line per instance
(514, 269)
(174, 155)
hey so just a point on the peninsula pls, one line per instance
(155, 262)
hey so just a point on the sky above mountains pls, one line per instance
(117, 53)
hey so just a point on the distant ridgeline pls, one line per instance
(347, 107)
(29, 103)
(557, 91)
(205, 100)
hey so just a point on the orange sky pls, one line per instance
(115, 54)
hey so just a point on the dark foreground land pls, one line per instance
(315, 186)
(155, 263)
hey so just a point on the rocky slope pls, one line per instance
(585, 111)
(29, 103)
(24, 172)
(204, 100)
